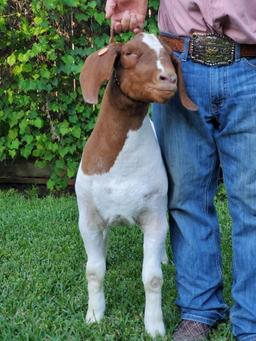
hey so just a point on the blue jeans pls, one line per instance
(194, 144)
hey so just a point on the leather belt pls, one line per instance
(209, 48)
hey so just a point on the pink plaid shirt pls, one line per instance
(234, 18)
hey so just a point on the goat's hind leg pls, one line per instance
(94, 238)
(155, 229)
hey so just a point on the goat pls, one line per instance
(121, 174)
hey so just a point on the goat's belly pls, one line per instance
(115, 207)
(119, 201)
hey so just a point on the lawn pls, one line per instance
(42, 282)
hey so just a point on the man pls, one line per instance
(219, 70)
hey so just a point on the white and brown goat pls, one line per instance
(121, 174)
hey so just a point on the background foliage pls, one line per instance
(42, 49)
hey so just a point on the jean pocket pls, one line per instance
(250, 62)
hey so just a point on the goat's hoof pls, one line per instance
(155, 329)
(93, 316)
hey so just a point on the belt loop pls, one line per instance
(185, 54)
(182, 55)
(237, 53)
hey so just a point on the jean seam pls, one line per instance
(225, 85)
(248, 338)
(199, 318)
(218, 260)
(207, 186)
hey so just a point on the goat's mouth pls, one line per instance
(168, 90)
(164, 92)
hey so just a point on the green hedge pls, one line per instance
(42, 48)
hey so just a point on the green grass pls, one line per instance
(42, 282)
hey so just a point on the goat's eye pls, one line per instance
(129, 59)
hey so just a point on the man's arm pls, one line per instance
(126, 15)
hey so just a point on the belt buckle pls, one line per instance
(212, 49)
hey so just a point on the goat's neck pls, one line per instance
(118, 115)
(128, 110)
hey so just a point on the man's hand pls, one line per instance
(126, 15)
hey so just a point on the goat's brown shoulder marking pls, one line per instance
(108, 137)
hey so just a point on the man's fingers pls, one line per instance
(110, 8)
(137, 30)
(133, 22)
(135, 25)
(125, 22)
(117, 27)
(132, 25)
(125, 18)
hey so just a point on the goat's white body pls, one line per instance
(137, 180)
(134, 190)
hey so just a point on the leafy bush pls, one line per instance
(42, 49)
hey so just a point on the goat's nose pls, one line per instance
(167, 76)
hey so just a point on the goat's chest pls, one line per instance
(136, 181)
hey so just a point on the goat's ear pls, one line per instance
(185, 100)
(97, 69)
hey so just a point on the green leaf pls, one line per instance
(23, 57)
(68, 59)
(92, 4)
(53, 147)
(11, 60)
(51, 55)
(15, 144)
(40, 164)
(27, 67)
(38, 20)
(12, 153)
(13, 133)
(10, 96)
(71, 172)
(23, 125)
(64, 128)
(45, 73)
(28, 138)
(17, 69)
(72, 169)
(81, 16)
(50, 184)
(76, 132)
(26, 151)
(38, 122)
(59, 165)
(71, 3)
(100, 17)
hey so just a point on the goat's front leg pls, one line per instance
(95, 245)
(155, 229)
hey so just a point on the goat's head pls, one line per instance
(143, 68)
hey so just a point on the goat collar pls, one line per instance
(117, 83)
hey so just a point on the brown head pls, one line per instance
(143, 68)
